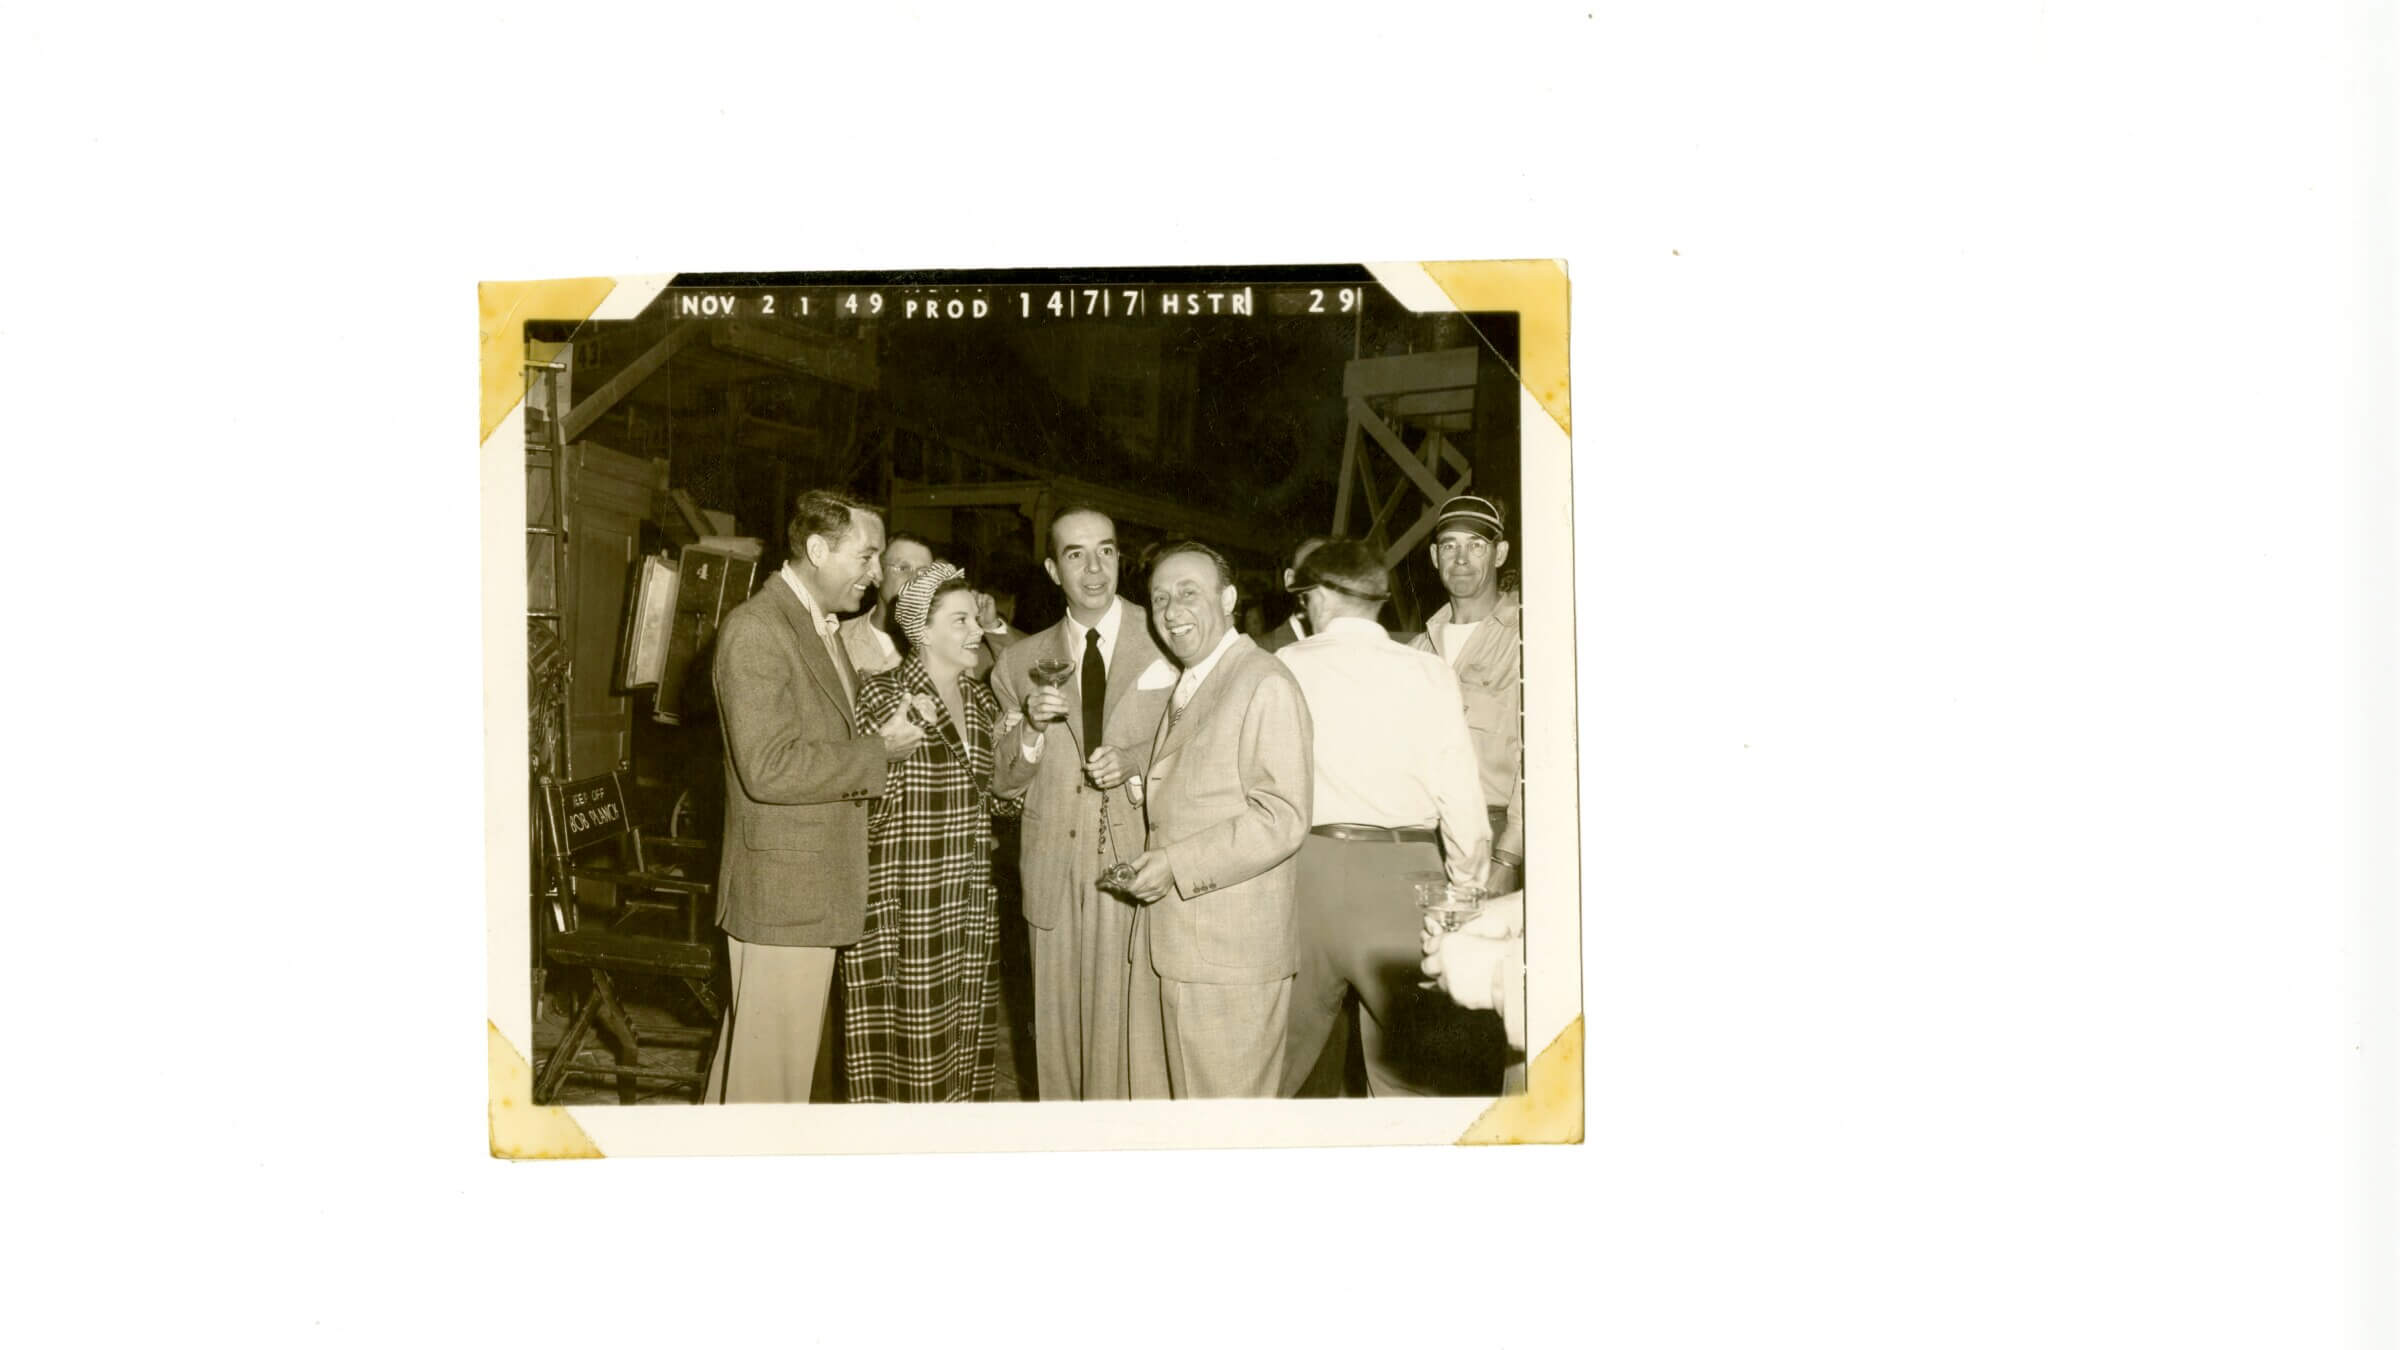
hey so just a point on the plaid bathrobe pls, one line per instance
(921, 988)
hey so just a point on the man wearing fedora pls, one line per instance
(1480, 633)
(1398, 798)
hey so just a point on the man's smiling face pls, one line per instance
(1193, 606)
(1083, 561)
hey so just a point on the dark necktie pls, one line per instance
(1095, 687)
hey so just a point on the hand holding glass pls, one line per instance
(1450, 905)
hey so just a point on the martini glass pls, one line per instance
(1053, 672)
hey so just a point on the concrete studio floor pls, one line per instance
(663, 1002)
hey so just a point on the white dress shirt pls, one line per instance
(829, 630)
(1190, 683)
(1391, 740)
(1109, 626)
(826, 623)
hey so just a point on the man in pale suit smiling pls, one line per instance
(1228, 804)
(1072, 779)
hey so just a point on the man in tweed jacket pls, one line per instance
(793, 882)
(1228, 798)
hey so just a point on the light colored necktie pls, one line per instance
(829, 630)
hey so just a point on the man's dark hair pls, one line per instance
(1166, 549)
(891, 537)
(1073, 508)
(1347, 567)
(822, 513)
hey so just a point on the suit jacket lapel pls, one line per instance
(1179, 728)
(1128, 659)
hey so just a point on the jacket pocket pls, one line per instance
(1246, 930)
(791, 891)
(784, 834)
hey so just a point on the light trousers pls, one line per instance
(774, 1023)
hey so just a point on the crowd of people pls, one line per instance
(1223, 841)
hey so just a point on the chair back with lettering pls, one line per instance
(580, 815)
(589, 842)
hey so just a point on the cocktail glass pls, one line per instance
(1452, 904)
(1053, 672)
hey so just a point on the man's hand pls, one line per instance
(1107, 767)
(1045, 707)
(1501, 916)
(1152, 877)
(901, 737)
(987, 611)
(1464, 965)
(1502, 878)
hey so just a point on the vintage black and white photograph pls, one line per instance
(1057, 687)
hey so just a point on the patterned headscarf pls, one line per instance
(917, 597)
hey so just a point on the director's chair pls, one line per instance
(663, 926)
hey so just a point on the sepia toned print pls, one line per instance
(916, 713)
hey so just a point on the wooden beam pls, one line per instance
(580, 418)
(1220, 530)
(787, 428)
(1439, 401)
(1450, 456)
(1407, 543)
(1341, 493)
(1380, 376)
(1393, 446)
(1043, 506)
(1036, 499)
(844, 363)
(1383, 513)
(1376, 505)
(1121, 503)
(939, 495)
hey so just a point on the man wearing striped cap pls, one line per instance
(1481, 634)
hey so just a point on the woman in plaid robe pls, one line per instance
(921, 988)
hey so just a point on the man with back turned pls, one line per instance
(1397, 799)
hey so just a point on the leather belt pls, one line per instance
(1377, 834)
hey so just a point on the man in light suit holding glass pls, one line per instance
(1227, 800)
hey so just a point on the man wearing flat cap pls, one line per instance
(1398, 796)
(1480, 634)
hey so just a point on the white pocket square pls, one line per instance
(1160, 675)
